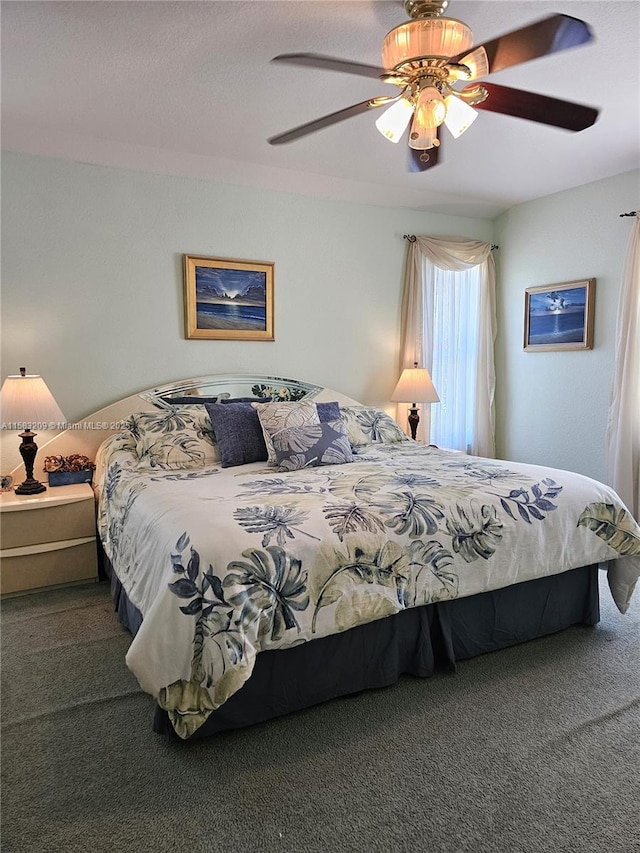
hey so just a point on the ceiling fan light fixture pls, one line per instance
(459, 116)
(433, 38)
(477, 62)
(421, 138)
(431, 109)
(395, 119)
(428, 57)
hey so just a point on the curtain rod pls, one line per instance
(412, 238)
(633, 213)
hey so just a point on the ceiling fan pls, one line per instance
(432, 60)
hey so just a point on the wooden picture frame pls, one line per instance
(227, 299)
(560, 316)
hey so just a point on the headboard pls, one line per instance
(87, 435)
(224, 386)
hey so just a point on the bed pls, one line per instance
(272, 544)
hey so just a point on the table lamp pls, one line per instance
(25, 401)
(415, 386)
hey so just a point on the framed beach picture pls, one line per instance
(559, 316)
(228, 300)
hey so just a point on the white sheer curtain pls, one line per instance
(623, 428)
(440, 271)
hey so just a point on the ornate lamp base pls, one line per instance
(414, 420)
(28, 450)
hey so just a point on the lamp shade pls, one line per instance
(459, 116)
(394, 121)
(25, 401)
(415, 386)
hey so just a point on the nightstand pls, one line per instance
(47, 539)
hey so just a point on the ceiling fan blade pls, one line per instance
(329, 63)
(332, 118)
(534, 107)
(420, 161)
(549, 35)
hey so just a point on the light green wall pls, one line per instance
(552, 406)
(92, 292)
(92, 280)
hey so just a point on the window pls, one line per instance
(455, 304)
(448, 326)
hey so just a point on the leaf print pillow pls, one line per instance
(175, 438)
(312, 445)
(369, 425)
(275, 417)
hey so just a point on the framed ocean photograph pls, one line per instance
(229, 300)
(559, 316)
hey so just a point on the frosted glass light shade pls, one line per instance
(431, 108)
(459, 116)
(26, 400)
(394, 120)
(477, 62)
(432, 37)
(415, 386)
(421, 138)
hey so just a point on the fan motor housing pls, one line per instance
(425, 8)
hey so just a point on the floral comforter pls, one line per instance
(223, 563)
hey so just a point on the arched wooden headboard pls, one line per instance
(87, 435)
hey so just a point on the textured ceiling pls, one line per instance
(187, 88)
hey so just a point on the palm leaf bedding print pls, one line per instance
(226, 563)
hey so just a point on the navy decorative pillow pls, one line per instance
(190, 400)
(244, 400)
(328, 412)
(238, 433)
(310, 445)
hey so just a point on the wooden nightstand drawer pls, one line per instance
(44, 523)
(71, 563)
(47, 539)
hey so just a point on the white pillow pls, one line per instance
(369, 425)
(180, 437)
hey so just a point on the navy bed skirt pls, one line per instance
(418, 641)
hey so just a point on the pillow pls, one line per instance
(189, 400)
(175, 438)
(194, 399)
(278, 416)
(238, 433)
(308, 446)
(245, 400)
(369, 425)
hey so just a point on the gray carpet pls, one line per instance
(532, 749)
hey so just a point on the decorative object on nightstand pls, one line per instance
(65, 470)
(24, 401)
(415, 386)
